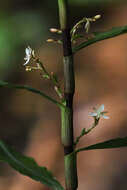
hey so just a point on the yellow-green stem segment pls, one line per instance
(62, 13)
(70, 163)
(66, 128)
(70, 171)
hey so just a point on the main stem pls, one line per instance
(67, 112)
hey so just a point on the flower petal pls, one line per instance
(105, 117)
(93, 114)
(28, 51)
(27, 61)
(100, 109)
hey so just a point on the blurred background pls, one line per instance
(31, 124)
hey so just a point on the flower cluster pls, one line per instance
(87, 22)
(98, 113)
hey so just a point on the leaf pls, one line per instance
(102, 36)
(27, 166)
(96, 33)
(28, 88)
(113, 143)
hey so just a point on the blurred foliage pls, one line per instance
(92, 2)
(100, 78)
(23, 25)
(18, 30)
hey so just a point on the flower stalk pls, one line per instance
(31, 57)
(97, 115)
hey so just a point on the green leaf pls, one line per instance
(99, 36)
(28, 88)
(113, 143)
(27, 166)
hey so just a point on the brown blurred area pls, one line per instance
(31, 124)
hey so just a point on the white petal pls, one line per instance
(105, 117)
(28, 51)
(100, 109)
(26, 62)
(93, 114)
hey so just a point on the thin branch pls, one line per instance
(86, 131)
(28, 88)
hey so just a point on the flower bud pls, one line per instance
(54, 30)
(50, 40)
(28, 68)
(97, 17)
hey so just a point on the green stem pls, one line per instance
(67, 130)
(69, 155)
(67, 112)
(63, 13)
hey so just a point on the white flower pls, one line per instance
(29, 54)
(98, 113)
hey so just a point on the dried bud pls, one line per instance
(50, 40)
